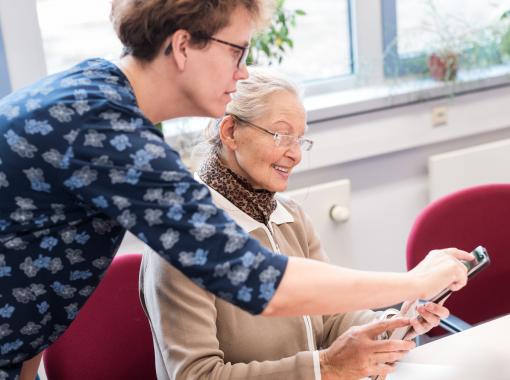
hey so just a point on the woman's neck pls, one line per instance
(258, 204)
(229, 160)
(155, 86)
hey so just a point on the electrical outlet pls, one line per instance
(439, 116)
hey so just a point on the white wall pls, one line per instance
(385, 155)
(22, 42)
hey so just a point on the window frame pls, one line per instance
(339, 82)
(5, 80)
(20, 27)
(396, 65)
(364, 47)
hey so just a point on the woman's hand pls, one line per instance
(441, 269)
(358, 353)
(429, 316)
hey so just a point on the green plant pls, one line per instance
(271, 46)
(505, 39)
(159, 126)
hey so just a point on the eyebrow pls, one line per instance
(290, 125)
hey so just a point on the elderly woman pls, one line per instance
(200, 336)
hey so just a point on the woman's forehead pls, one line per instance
(285, 115)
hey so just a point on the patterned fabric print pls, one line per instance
(80, 165)
(259, 204)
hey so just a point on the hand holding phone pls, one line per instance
(481, 261)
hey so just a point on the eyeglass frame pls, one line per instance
(242, 58)
(276, 135)
(244, 50)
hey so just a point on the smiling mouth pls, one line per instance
(281, 169)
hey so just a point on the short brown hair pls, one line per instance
(143, 25)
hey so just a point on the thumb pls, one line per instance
(376, 328)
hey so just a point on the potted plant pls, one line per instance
(505, 39)
(443, 55)
(443, 66)
(270, 46)
(461, 44)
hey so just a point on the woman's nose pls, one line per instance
(241, 72)
(294, 152)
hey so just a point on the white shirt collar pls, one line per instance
(279, 216)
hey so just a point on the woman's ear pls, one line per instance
(177, 45)
(227, 132)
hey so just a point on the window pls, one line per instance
(87, 32)
(413, 29)
(322, 40)
(338, 44)
(84, 32)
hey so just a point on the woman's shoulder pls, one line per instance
(291, 206)
(88, 87)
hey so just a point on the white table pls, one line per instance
(482, 352)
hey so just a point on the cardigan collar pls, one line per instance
(279, 216)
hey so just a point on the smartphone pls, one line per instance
(481, 261)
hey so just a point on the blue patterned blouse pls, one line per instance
(80, 165)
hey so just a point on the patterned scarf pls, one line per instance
(257, 203)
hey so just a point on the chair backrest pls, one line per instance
(111, 337)
(467, 218)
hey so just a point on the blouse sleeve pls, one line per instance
(118, 164)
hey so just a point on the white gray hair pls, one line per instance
(251, 100)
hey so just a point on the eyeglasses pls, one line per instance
(280, 139)
(244, 50)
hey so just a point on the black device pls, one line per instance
(481, 261)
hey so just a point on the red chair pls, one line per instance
(467, 218)
(111, 337)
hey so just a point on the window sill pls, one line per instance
(340, 140)
(366, 99)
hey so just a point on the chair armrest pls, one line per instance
(454, 324)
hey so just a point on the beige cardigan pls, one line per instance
(199, 336)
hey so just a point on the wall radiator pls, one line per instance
(328, 206)
(486, 163)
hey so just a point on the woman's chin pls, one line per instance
(278, 187)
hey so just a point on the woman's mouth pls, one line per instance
(282, 170)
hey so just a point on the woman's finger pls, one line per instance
(428, 318)
(377, 327)
(389, 357)
(459, 254)
(437, 309)
(392, 345)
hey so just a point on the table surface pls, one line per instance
(482, 352)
